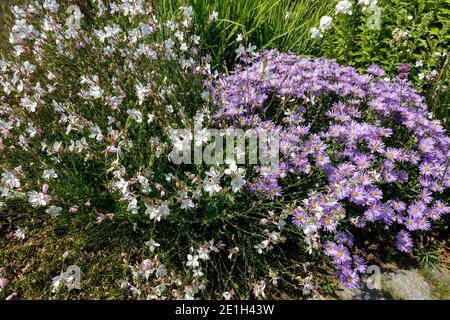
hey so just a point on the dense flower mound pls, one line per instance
(369, 147)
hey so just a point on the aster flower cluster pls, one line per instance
(349, 267)
(364, 134)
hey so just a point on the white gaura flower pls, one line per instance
(213, 173)
(259, 248)
(54, 211)
(203, 253)
(121, 185)
(57, 282)
(133, 205)
(38, 199)
(32, 131)
(19, 234)
(195, 39)
(211, 186)
(161, 271)
(49, 174)
(326, 22)
(238, 182)
(187, 11)
(95, 92)
(28, 67)
(96, 133)
(184, 46)
(232, 167)
(237, 175)
(164, 210)
(198, 273)
(10, 180)
(258, 289)
(201, 137)
(157, 213)
(57, 146)
(51, 5)
(152, 244)
(214, 16)
(135, 114)
(28, 104)
(205, 95)
(192, 261)
(187, 203)
(240, 51)
(141, 92)
(227, 295)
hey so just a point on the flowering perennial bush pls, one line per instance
(368, 141)
(84, 111)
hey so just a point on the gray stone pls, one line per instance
(360, 293)
(407, 285)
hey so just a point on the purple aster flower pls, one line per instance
(329, 223)
(341, 254)
(344, 237)
(299, 217)
(358, 195)
(441, 207)
(411, 223)
(374, 195)
(416, 210)
(423, 224)
(376, 70)
(426, 145)
(403, 241)
(330, 248)
(398, 205)
(349, 278)
(359, 264)
(426, 169)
